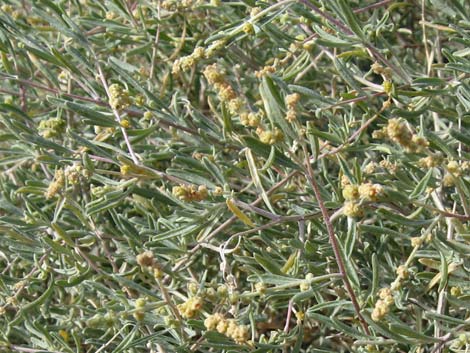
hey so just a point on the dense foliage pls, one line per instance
(234, 176)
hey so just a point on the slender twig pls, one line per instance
(333, 241)
(442, 211)
(289, 314)
(340, 25)
(117, 116)
(155, 44)
(88, 260)
(354, 100)
(438, 347)
(373, 6)
(425, 39)
(169, 302)
(23, 99)
(257, 210)
(52, 90)
(229, 222)
(6, 91)
(130, 112)
(355, 134)
(328, 17)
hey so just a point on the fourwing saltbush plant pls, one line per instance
(234, 176)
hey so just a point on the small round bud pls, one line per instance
(260, 288)
(456, 291)
(352, 209)
(234, 297)
(140, 303)
(145, 259)
(351, 192)
(416, 241)
(248, 28)
(304, 286)
(222, 291)
(193, 288)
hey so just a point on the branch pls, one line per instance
(333, 241)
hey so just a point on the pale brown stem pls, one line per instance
(334, 242)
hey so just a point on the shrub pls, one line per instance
(222, 176)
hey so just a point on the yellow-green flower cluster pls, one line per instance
(9, 9)
(266, 70)
(454, 170)
(255, 11)
(50, 128)
(173, 5)
(391, 167)
(75, 173)
(111, 15)
(370, 192)
(431, 161)
(378, 69)
(350, 192)
(248, 28)
(270, 137)
(118, 97)
(63, 76)
(291, 103)
(354, 193)
(382, 306)
(146, 260)
(386, 74)
(448, 180)
(57, 184)
(260, 288)
(228, 327)
(352, 209)
(456, 291)
(99, 320)
(398, 131)
(189, 193)
(139, 100)
(191, 307)
(402, 275)
(227, 94)
(187, 62)
(370, 168)
(214, 47)
(139, 313)
(251, 119)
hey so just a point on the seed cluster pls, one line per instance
(189, 193)
(51, 128)
(147, 260)
(399, 132)
(216, 78)
(228, 327)
(57, 184)
(191, 307)
(270, 137)
(354, 194)
(382, 306)
(292, 101)
(118, 97)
